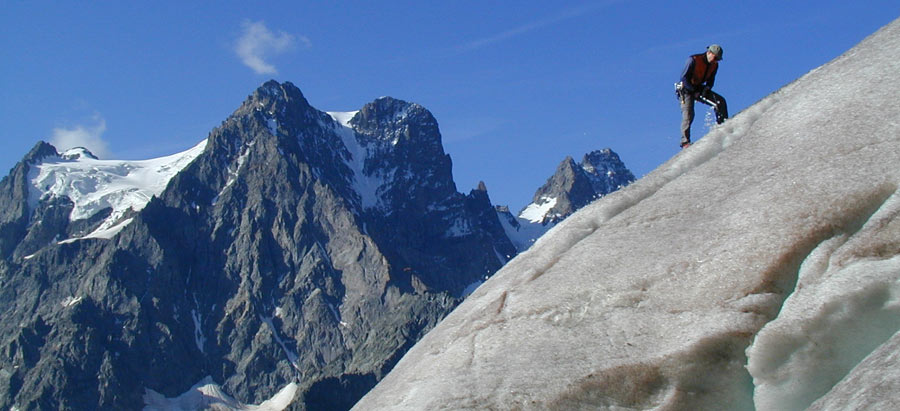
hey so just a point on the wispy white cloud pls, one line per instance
(89, 137)
(560, 16)
(257, 43)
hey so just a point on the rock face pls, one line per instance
(295, 246)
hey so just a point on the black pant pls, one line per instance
(707, 97)
(717, 102)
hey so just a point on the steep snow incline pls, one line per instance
(759, 268)
(94, 185)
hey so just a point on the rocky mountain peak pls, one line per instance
(272, 92)
(281, 103)
(274, 124)
(598, 158)
(387, 110)
(575, 185)
(286, 249)
(40, 151)
(606, 171)
(401, 143)
(390, 113)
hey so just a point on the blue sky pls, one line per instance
(515, 86)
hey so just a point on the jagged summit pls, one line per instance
(291, 253)
(393, 142)
(279, 102)
(40, 151)
(574, 185)
(606, 170)
(571, 187)
(272, 89)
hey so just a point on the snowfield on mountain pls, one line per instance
(757, 269)
(94, 184)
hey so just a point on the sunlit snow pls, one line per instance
(757, 269)
(535, 212)
(94, 185)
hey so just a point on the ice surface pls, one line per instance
(846, 305)
(758, 268)
(207, 395)
(94, 185)
(873, 385)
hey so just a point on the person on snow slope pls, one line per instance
(697, 80)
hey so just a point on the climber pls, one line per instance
(696, 83)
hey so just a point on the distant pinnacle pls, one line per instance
(40, 151)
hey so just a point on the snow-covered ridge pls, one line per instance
(94, 185)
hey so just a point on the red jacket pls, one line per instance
(699, 73)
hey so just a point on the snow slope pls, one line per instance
(94, 185)
(758, 269)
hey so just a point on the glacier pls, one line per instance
(93, 184)
(757, 269)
